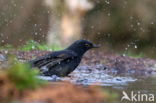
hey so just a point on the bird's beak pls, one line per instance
(96, 46)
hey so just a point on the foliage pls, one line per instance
(31, 45)
(111, 96)
(134, 55)
(6, 47)
(23, 76)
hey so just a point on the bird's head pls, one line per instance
(81, 46)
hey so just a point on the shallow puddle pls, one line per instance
(89, 76)
(86, 76)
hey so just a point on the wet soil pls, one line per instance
(65, 93)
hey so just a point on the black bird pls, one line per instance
(63, 62)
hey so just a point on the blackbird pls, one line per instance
(61, 63)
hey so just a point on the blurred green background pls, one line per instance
(123, 26)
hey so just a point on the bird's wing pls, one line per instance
(53, 58)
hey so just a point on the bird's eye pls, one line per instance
(87, 45)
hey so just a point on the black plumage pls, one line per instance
(63, 62)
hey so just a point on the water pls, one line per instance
(86, 76)
(114, 83)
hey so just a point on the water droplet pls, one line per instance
(124, 55)
(131, 17)
(33, 47)
(50, 50)
(40, 29)
(108, 34)
(107, 2)
(10, 21)
(15, 5)
(142, 29)
(108, 14)
(20, 40)
(92, 27)
(6, 52)
(125, 2)
(1, 34)
(138, 23)
(21, 7)
(43, 36)
(98, 33)
(152, 23)
(2, 41)
(36, 33)
(132, 25)
(5, 20)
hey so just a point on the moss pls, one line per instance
(31, 45)
(23, 76)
